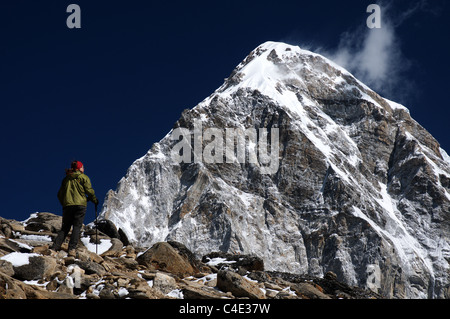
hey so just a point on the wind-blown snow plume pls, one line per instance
(373, 55)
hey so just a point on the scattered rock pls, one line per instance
(38, 267)
(84, 255)
(108, 228)
(308, 291)
(162, 256)
(130, 251)
(6, 268)
(164, 283)
(11, 288)
(165, 270)
(5, 228)
(91, 267)
(46, 222)
(115, 249)
(123, 237)
(184, 252)
(41, 250)
(9, 246)
(238, 285)
(203, 292)
(107, 292)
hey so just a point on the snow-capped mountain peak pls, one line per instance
(359, 187)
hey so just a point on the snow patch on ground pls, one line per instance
(19, 259)
(219, 260)
(104, 245)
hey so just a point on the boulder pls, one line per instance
(8, 246)
(238, 285)
(184, 252)
(164, 283)
(42, 250)
(128, 263)
(46, 222)
(108, 292)
(162, 256)
(85, 254)
(202, 292)
(115, 249)
(7, 226)
(308, 291)
(38, 267)
(141, 290)
(5, 229)
(6, 267)
(108, 228)
(91, 267)
(123, 237)
(11, 288)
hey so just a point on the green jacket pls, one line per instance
(74, 189)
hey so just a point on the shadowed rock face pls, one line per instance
(360, 188)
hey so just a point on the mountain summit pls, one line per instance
(296, 161)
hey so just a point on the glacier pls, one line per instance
(361, 189)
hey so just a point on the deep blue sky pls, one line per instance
(105, 93)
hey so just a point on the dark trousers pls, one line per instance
(73, 216)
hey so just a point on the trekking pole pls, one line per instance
(96, 231)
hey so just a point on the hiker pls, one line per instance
(73, 194)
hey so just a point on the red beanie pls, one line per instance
(77, 165)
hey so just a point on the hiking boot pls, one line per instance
(72, 253)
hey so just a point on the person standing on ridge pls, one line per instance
(75, 191)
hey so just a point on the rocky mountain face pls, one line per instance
(115, 269)
(329, 177)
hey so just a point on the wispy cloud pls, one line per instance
(374, 56)
(376, 60)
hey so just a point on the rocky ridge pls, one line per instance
(29, 269)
